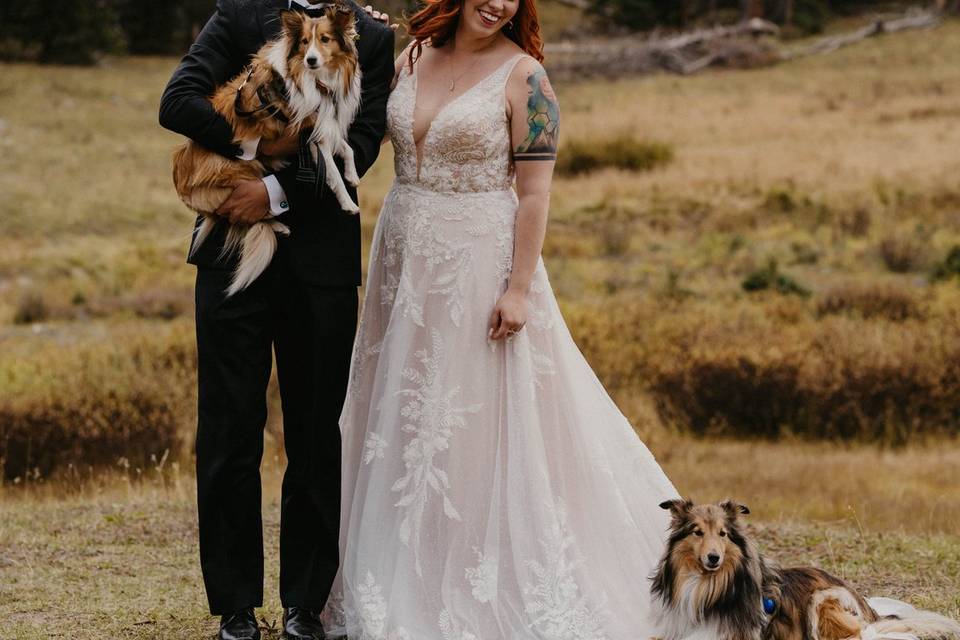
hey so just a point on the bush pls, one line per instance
(90, 404)
(770, 277)
(640, 14)
(64, 32)
(830, 380)
(902, 254)
(856, 222)
(161, 27)
(743, 372)
(810, 16)
(31, 308)
(949, 267)
(624, 153)
(887, 301)
(59, 31)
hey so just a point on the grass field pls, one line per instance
(123, 564)
(833, 414)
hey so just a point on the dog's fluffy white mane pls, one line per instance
(305, 98)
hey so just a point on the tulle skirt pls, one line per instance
(491, 490)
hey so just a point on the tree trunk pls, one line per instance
(751, 9)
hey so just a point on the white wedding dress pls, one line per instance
(491, 490)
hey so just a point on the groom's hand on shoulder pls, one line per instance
(381, 16)
(249, 203)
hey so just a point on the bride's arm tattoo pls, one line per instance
(543, 118)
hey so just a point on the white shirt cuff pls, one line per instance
(278, 197)
(248, 149)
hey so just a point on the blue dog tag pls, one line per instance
(769, 606)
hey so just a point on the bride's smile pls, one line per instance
(485, 18)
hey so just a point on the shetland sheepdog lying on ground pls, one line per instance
(308, 77)
(712, 583)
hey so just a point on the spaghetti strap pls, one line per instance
(511, 64)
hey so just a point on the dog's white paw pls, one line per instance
(348, 205)
(352, 179)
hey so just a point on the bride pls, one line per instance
(491, 488)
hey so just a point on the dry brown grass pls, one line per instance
(885, 521)
(774, 368)
(892, 301)
(804, 164)
(813, 164)
(123, 394)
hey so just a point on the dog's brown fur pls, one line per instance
(710, 575)
(711, 529)
(815, 605)
(723, 594)
(205, 179)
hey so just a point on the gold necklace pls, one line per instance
(476, 59)
(453, 83)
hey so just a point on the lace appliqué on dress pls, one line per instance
(432, 415)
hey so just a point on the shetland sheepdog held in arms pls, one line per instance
(713, 584)
(309, 76)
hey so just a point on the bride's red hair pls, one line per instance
(436, 22)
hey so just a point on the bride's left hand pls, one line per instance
(509, 315)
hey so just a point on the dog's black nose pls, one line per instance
(713, 559)
(312, 61)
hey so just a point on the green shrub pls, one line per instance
(769, 278)
(59, 31)
(949, 267)
(783, 200)
(810, 16)
(625, 153)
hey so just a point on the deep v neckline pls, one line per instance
(415, 77)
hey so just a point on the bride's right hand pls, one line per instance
(509, 315)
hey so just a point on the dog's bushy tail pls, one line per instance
(914, 623)
(257, 247)
(200, 234)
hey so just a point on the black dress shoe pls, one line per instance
(301, 624)
(239, 625)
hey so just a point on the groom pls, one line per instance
(304, 307)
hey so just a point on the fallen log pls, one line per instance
(914, 19)
(740, 45)
(628, 55)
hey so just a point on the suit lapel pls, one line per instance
(268, 15)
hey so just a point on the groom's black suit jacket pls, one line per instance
(324, 245)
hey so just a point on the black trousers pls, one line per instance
(311, 330)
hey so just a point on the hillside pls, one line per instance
(839, 169)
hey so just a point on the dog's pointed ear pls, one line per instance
(678, 507)
(341, 16)
(292, 22)
(734, 509)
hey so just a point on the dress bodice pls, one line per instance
(467, 145)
